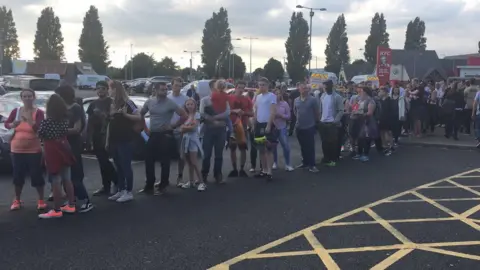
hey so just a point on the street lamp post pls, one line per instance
(311, 21)
(231, 56)
(250, 38)
(131, 61)
(191, 60)
(2, 43)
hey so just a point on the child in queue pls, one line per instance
(191, 147)
(58, 156)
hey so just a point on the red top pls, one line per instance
(240, 102)
(219, 101)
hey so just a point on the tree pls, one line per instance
(337, 51)
(48, 44)
(8, 32)
(143, 65)
(233, 67)
(273, 70)
(93, 48)
(297, 47)
(115, 73)
(185, 72)
(479, 47)
(358, 62)
(378, 37)
(216, 42)
(415, 35)
(166, 67)
(258, 72)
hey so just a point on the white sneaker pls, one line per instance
(116, 196)
(186, 185)
(274, 166)
(126, 197)
(202, 187)
(289, 168)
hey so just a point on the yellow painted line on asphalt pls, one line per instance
(401, 250)
(321, 251)
(395, 257)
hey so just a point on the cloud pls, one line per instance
(167, 27)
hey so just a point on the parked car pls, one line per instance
(6, 107)
(18, 83)
(139, 142)
(41, 98)
(147, 89)
(202, 87)
(137, 85)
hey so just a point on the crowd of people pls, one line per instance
(191, 130)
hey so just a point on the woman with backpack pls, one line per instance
(76, 123)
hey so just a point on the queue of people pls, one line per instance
(192, 130)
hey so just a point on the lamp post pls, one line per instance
(311, 19)
(131, 61)
(231, 56)
(250, 38)
(191, 60)
(2, 41)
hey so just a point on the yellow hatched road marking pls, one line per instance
(401, 250)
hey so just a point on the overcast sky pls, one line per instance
(168, 27)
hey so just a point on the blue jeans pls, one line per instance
(477, 127)
(306, 139)
(122, 157)
(213, 142)
(283, 139)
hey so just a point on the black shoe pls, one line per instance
(50, 198)
(242, 173)
(260, 175)
(160, 191)
(301, 166)
(86, 207)
(101, 192)
(233, 173)
(269, 177)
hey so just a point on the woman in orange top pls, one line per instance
(26, 148)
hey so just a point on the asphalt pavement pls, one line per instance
(346, 217)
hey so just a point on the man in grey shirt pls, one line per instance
(159, 144)
(305, 108)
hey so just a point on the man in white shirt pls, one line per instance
(265, 133)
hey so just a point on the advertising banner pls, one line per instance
(384, 62)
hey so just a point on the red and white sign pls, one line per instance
(384, 63)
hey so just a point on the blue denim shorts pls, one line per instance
(27, 163)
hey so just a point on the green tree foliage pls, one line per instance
(48, 44)
(258, 72)
(415, 35)
(479, 47)
(115, 73)
(297, 47)
(233, 67)
(378, 37)
(93, 48)
(337, 51)
(143, 66)
(185, 73)
(273, 70)
(216, 42)
(166, 67)
(9, 38)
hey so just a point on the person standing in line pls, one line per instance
(281, 117)
(58, 156)
(215, 111)
(176, 122)
(191, 148)
(97, 112)
(266, 135)
(307, 112)
(241, 110)
(160, 145)
(331, 111)
(76, 123)
(469, 93)
(476, 117)
(120, 136)
(26, 149)
(292, 96)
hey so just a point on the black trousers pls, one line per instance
(160, 147)
(467, 120)
(329, 135)
(293, 122)
(432, 117)
(107, 170)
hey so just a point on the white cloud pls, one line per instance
(168, 27)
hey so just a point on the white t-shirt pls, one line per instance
(180, 101)
(263, 102)
(327, 109)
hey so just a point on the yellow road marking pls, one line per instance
(392, 259)
(321, 251)
(401, 250)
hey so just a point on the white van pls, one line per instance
(89, 81)
(53, 76)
